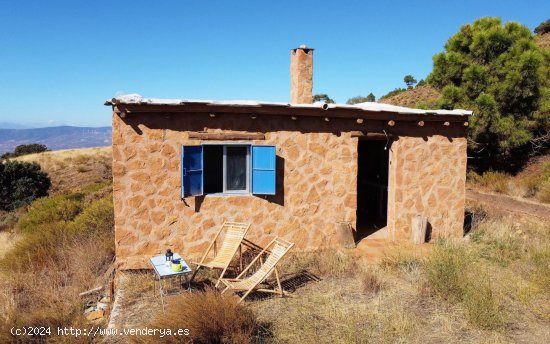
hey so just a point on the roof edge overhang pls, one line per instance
(282, 109)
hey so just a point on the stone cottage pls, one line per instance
(297, 170)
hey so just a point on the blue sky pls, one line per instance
(59, 60)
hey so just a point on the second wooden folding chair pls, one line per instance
(277, 248)
(222, 256)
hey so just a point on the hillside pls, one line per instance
(64, 137)
(421, 96)
(543, 41)
(426, 95)
(71, 169)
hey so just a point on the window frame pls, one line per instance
(254, 186)
(248, 174)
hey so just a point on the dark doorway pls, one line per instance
(372, 186)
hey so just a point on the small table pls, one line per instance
(164, 272)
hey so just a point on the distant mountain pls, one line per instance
(9, 125)
(55, 138)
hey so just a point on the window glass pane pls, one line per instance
(236, 168)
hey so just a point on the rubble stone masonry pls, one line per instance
(316, 182)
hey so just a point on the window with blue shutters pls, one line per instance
(228, 169)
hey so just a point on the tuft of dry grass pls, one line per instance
(371, 281)
(209, 316)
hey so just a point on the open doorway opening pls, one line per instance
(372, 188)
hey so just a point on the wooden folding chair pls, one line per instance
(279, 248)
(234, 235)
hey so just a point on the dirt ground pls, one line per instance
(507, 204)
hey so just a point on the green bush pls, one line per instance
(59, 208)
(54, 224)
(26, 149)
(29, 149)
(496, 181)
(21, 183)
(96, 219)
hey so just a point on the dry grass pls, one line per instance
(494, 181)
(492, 288)
(65, 245)
(51, 158)
(209, 316)
(72, 168)
(371, 281)
(531, 183)
(543, 41)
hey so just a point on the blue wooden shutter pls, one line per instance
(263, 170)
(191, 171)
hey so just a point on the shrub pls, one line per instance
(97, 219)
(210, 317)
(496, 181)
(26, 149)
(445, 270)
(21, 183)
(29, 149)
(53, 224)
(59, 208)
(453, 275)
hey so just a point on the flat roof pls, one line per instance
(136, 103)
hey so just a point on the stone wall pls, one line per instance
(427, 177)
(316, 182)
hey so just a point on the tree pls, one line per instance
(543, 27)
(409, 80)
(498, 71)
(25, 149)
(360, 99)
(29, 149)
(322, 97)
(21, 183)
